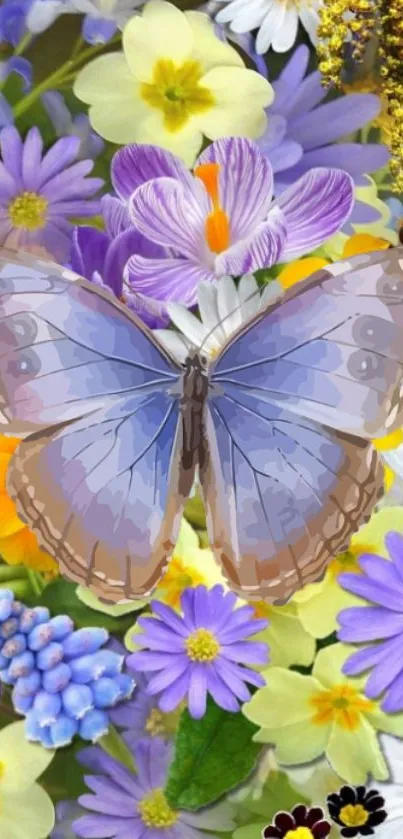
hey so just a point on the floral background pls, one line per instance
(197, 161)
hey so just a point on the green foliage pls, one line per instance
(113, 744)
(212, 756)
(60, 597)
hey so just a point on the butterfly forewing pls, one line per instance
(99, 476)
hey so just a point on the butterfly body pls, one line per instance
(278, 426)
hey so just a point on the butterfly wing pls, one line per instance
(293, 392)
(331, 350)
(98, 476)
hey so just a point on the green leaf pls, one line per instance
(212, 755)
(60, 596)
(113, 744)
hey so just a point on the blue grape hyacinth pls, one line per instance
(64, 680)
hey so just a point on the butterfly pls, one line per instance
(278, 426)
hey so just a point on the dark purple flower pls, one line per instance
(286, 824)
(202, 652)
(380, 624)
(304, 132)
(222, 219)
(124, 805)
(357, 810)
(39, 194)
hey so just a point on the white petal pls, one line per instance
(270, 26)
(188, 324)
(174, 342)
(208, 307)
(229, 305)
(285, 36)
(310, 21)
(249, 296)
(273, 292)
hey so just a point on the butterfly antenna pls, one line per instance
(238, 307)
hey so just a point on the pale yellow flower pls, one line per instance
(318, 604)
(174, 82)
(26, 810)
(326, 713)
(289, 642)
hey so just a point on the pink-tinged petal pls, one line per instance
(134, 165)
(260, 250)
(167, 279)
(315, 208)
(31, 160)
(245, 182)
(168, 214)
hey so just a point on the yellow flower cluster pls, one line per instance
(391, 54)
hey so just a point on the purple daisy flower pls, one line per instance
(381, 623)
(122, 805)
(304, 132)
(141, 718)
(39, 194)
(202, 652)
(221, 220)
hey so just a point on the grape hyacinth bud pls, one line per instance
(64, 680)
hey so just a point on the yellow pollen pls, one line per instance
(262, 609)
(299, 833)
(177, 92)
(353, 815)
(202, 646)
(342, 705)
(159, 724)
(155, 811)
(28, 210)
(347, 562)
(178, 577)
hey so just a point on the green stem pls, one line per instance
(114, 746)
(23, 44)
(36, 581)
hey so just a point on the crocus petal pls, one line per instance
(89, 249)
(315, 208)
(115, 215)
(261, 250)
(167, 279)
(165, 212)
(245, 182)
(121, 249)
(135, 165)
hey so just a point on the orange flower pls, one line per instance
(18, 546)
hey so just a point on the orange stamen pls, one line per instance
(218, 231)
(208, 174)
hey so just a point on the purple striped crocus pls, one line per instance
(221, 219)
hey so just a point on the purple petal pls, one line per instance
(134, 165)
(354, 158)
(364, 214)
(60, 155)
(171, 672)
(122, 248)
(393, 702)
(374, 592)
(170, 617)
(334, 120)
(115, 214)
(56, 238)
(167, 279)
(245, 182)
(89, 249)
(385, 671)
(221, 693)
(245, 653)
(365, 623)
(97, 30)
(152, 312)
(197, 695)
(168, 214)
(6, 112)
(261, 250)
(286, 155)
(68, 183)
(315, 208)
(11, 147)
(380, 570)
(394, 544)
(97, 827)
(294, 71)
(292, 101)
(23, 68)
(232, 680)
(31, 160)
(364, 659)
(175, 693)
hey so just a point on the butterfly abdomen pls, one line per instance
(193, 400)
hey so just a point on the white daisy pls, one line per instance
(223, 308)
(276, 20)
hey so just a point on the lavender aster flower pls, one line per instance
(38, 195)
(222, 220)
(204, 651)
(304, 132)
(380, 624)
(91, 144)
(141, 718)
(122, 805)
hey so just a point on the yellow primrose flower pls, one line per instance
(289, 642)
(26, 810)
(189, 566)
(174, 82)
(318, 604)
(325, 713)
(18, 546)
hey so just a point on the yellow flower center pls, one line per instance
(342, 705)
(177, 578)
(155, 811)
(347, 562)
(353, 815)
(202, 646)
(299, 833)
(217, 226)
(389, 442)
(28, 210)
(261, 609)
(159, 724)
(177, 92)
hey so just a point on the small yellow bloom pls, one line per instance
(18, 546)
(189, 566)
(364, 243)
(174, 82)
(325, 713)
(300, 270)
